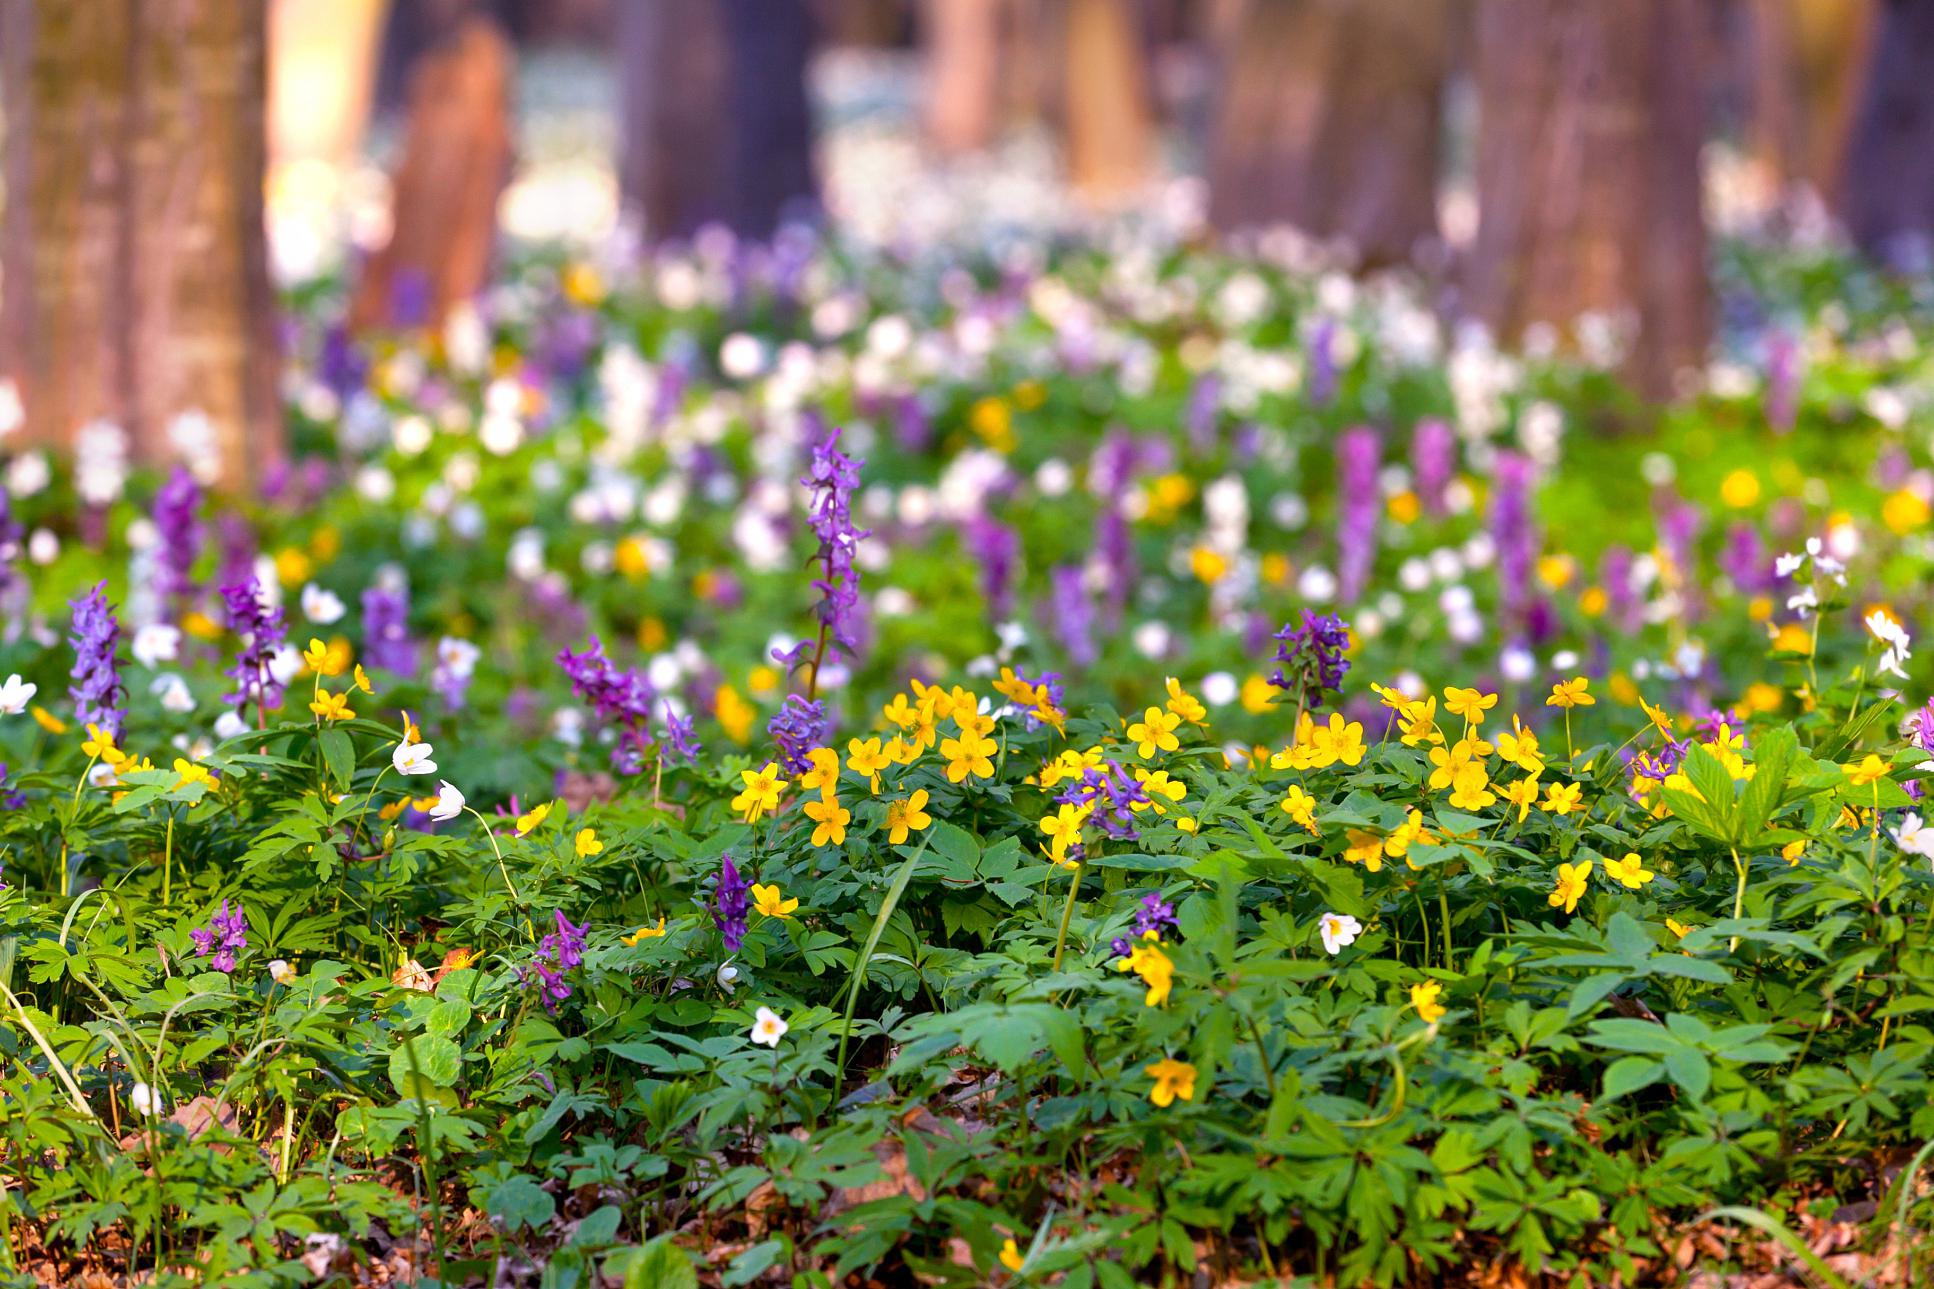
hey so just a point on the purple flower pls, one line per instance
(1115, 553)
(1322, 363)
(1784, 367)
(799, 726)
(729, 905)
(386, 630)
(10, 535)
(1113, 795)
(225, 936)
(832, 477)
(558, 952)
(1154, 914)
(998, 549)
(98, 696)
(261, 632)
(1200, 416)
(1357, 452)
(1433, 460)
(1513, 536)
(621, 697)
(1073, 615)
(1310, 658)
(179, 530)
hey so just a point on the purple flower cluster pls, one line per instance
(1153, 914)
(998, 549)
(1513, 536)
(225, 936)
(1322, 363)
(1112, 794)
(623, 697)
(262, 633)
(1073, 615)
(557, 953)
(10, 535)
(833, 477)
(386, 630)
(799, 726)
(1310, 658)
(179, 531)
(729, 905)
(1357, 453)
(1433, 460)
(99, 698)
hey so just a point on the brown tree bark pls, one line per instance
(1108, 108)
(1889, 194)
(444, 190)
(136, 264)
(1588, 178)
(1804, 68)
(963, 46)
(716, 122)
(1330, 119)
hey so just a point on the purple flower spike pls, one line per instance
(99, 698)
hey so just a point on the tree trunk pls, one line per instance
(1804, 67)
(136, 263)
(1889, 192)
(717, 127)
(962, 39)
(1330, 120)
(444, 190)
(1588, 176)
(1108, 110)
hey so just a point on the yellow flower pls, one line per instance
(1257, 695)
(362, 680)
(1407, 833)
(1521, 794)
(587, 843)
(1471, 704)
(1792, 851)
(831, 819)
(1011, 1255)
(1154, 967)
(646, 933)
(1173, 1080)
(823, 774)
(1185, 705)
(326, 659)
(1661, 720)
(192, 773)
(1629, 872)
(1678, 928)
(1158, 787)
(1420, 723)
(1300, 806)
(771, 901)
(863, 756)
(733, 713)
(1563, 798)
(1519, 746)
(1571, 693)
(1063, 828)
(1471, 788)
(906, 816)
(1156, 730)
(99, 743)
(1450, 763)
(971, 753)
(1571, 885)
(762, 789)
(531, 818)
(1424, 998)
(1859, 775)
(1365, 848)
(331, 707)
(47, 720)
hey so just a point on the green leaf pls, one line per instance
(339, 754)
(656, 1264)
(437, 1061)
(1628, 1074)
(518, 1202)
(1689, 1069)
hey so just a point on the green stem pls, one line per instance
(1067, 916)
(168, 858)
(1443, 909)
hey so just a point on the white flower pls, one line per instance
(321, 605)
(230, 724)
(156, 643)
(768, 1027)
(15, 694)
(1913, 836)
(281, 972)
(1895, 637)
(457, 656)
(413, 758)
(1338, 930)
(449, 802)
(1803, 600)
(145, 1100)
(728, 977)
(1788, 564)
(175, 696)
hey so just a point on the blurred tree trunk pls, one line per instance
(444, 189)
(1108, 104)
(136, 263)
(1330, 120)
(322, 76)
(963, 45)
(1588, 179)
(1889, 195)
(716, 122)
(1805, 60)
